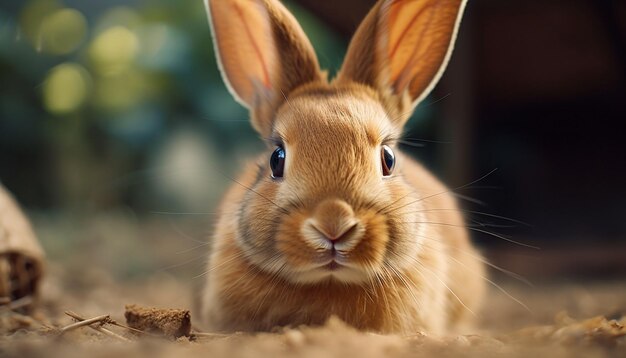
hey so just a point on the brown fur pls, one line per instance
(407, 260)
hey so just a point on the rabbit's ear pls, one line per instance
(262, 52)
(402, 48)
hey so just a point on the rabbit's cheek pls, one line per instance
(370, 251)
(290, 244)
(406, 240)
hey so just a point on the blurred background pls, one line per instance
(118, 136)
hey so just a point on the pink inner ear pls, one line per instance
(409, 22)
(418, 36)
(265, 76)
(401, 23)
(244, 40)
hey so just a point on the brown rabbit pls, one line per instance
(332, 220)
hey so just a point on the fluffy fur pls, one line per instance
(335, 236)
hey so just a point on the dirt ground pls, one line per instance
(558, 321)
(97, 268)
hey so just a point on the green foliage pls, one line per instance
(102, 89)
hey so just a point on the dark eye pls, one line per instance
(388, 160)
(277, 162)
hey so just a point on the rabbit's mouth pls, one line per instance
(330, 271)
(333, 265)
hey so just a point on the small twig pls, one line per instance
(196, 333)
(100, 319)
(99, 329)
(133, 329)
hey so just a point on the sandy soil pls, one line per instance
(506, 326)
(99, 267)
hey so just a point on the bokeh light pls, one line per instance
(119, 16)
(63, 31)
(114, 50)
(120, 90)
(32, 17)
(66, 88)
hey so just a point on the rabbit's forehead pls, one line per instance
(333, 118)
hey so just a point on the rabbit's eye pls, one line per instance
(277, 162)
(388, 160)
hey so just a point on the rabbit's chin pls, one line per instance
(329, 273)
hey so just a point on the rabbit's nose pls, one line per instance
(345, 232)
(334, 222)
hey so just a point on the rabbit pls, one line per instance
(332, 220)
